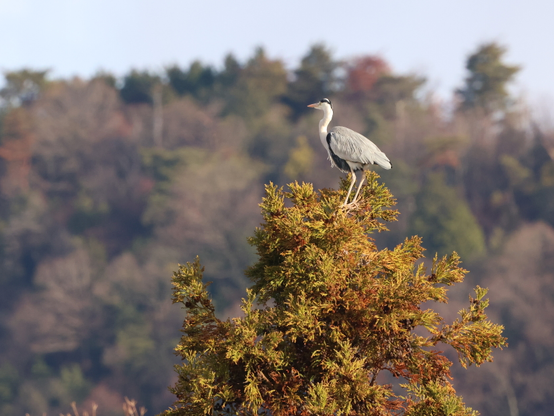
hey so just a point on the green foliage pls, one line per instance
(531, 179)
(163, 165)
(272, 140)
(487, 82)
(300, 159)
(107, 77)
(44, 387)
(378, 129)
(315, 78)
(87, 214)
(24, 86)
(515, 171)
(9, 381)
(445, 221)
(261, 83)
(138, 87)
(73, 381)
(197, 81)
(134, 347)
(231, 71)
(326, 316)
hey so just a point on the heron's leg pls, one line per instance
(351, 186)
(359, 187)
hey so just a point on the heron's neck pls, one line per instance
(324, 122)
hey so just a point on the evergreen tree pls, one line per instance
(328, 318)
(260, 84)
(486, 85)
(138, 87)
(24, 86)
(197, 81)
(314, 79)
(444, 220)
(230, 73)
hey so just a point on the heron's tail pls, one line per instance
(382, 160)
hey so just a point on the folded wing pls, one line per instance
(353, 147)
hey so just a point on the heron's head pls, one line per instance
(322, 105)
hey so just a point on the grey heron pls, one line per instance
(348, 151)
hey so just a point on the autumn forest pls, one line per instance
(106, 184)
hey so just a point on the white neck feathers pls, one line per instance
(324, 122)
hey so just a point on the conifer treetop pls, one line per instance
(330, 320)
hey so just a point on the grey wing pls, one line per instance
(353, 147)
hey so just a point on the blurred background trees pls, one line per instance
(107, 183)
(486, 84)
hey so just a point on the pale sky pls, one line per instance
(429, 37)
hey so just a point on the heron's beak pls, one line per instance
(313, 105)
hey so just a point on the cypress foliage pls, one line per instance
(327, 318)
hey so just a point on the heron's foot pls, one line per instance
(351, 206)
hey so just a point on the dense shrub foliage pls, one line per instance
(328, 318)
